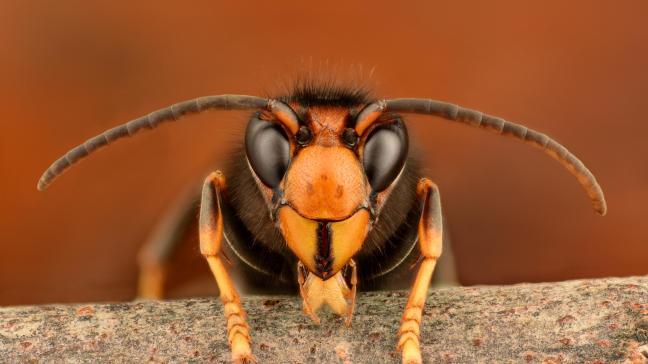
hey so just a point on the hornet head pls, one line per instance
(325, 172)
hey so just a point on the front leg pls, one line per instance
(430, 236)
(301, 280)
(352, 293)
(211, 235)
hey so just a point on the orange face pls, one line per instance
(315, 183)
(325, 219)
(326, 180)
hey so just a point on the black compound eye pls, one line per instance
(385, 152)
(350, 137)
(267, 149)
(303, 136)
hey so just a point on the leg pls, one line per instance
(445, 273)
(352, 293)
(211, 234)
(152, 276)
(430, 240)
(156, 252)
(304, 295)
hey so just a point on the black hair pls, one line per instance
(326, 93)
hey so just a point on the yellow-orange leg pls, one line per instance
(352, 293)
(150, 285)
(211, 234)
(430, 235)
(301, 279)
(162, 243)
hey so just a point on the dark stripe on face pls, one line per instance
(324, 259)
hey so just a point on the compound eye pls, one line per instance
(267, 149)
(385, 152)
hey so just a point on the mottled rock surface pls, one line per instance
(587, 321)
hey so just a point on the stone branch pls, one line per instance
(587, 321)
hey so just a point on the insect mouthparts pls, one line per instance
(324, 258)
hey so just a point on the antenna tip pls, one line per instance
(601, 208)
(41, 186)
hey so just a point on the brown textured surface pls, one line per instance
(594, 321)
(68, 70)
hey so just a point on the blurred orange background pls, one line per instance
(576, 70)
